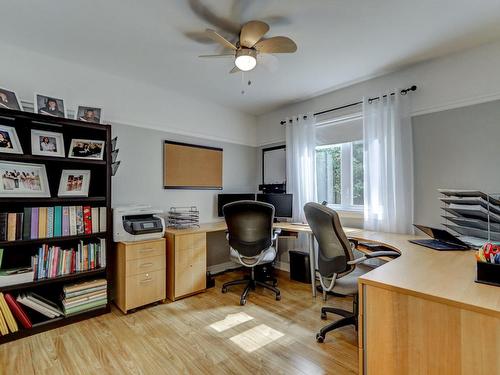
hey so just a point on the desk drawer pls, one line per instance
(144, 288)
(145, 249)
(137, 266)
(190, 241)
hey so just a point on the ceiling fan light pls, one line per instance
(246, 59)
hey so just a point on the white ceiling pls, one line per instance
(339, 41)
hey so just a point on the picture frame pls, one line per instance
(23, 180)
(47, 143)
(89, 114)
(9, 141)
(9, 100)
(74, 183)
(86, 149)
(49, 105)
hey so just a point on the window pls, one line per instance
(339, 174)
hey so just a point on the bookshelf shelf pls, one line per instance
(57, 279)
(18, 253)
(51, 240)
(55, 323)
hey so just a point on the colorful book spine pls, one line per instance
(19, 226)
(34, 223)
(79, 220)
(72, 221)
(102, 219)
(65, 221)
(87, 220)
(11, 226)
(27, 223)
(95, 219)
(57, 221)
(42, 222)
(50, 222)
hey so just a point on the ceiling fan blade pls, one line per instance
(276, 44)
(235, 70)
(251, 32)
(222, 55)
(214, 35)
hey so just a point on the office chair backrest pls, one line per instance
(334, 247)
(250, 226)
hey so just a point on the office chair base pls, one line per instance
(250, 285)
(333, 310)
(347, 321)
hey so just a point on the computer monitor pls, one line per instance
(223, 199)
(282, 203)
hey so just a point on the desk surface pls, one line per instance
(446, 277)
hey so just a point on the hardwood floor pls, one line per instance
(209, 333)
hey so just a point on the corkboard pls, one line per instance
(187, 166)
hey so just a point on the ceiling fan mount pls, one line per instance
(251, 44)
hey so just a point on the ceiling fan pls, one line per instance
(251, 44)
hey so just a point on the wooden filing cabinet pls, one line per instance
(140, 276)
(186, 264)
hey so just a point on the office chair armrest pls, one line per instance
(375, 254)
(276, 233)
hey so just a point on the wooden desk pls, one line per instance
(422, 313)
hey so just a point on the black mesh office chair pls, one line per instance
(337, 267)
(250, 234)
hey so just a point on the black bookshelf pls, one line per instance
(99, 196)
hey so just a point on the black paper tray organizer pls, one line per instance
(488, 273)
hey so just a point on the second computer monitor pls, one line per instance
(282, 203)
(223, 199)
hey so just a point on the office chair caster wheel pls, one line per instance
(320, 338)
(278, 297)
(224, 290)
(323, 316)
(243, 302)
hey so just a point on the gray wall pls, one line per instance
(140, 177)
(459, 149)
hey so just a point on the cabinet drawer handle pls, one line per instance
(149, 264)
(146, 281)
(146, 250)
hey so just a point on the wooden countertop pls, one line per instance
(442, 276)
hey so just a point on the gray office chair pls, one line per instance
(250, 234)
(338, 268)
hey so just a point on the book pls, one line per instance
(102, 259)
(72, 221)
(27, 223)
(3, 226)
(17, 311)
(85, 306)
(85, 291)
(84, 285)
(87, 296)
(87, 220)
(11, 226)
(1, 257)
(50, 222)
(95, 219)
(65, 221)
(44, 302)
(42, 222)
(4, 330)
(9, 318)
(79, 220)
(34, 223)
(58, 221)
(23, 299)
(16, 276)
(19, 226)
(102, 219)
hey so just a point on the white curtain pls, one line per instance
(388, 164)
(300, 162)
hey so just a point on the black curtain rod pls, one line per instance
(403, 92)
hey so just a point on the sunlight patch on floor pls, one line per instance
(257, 337)
(231, 320)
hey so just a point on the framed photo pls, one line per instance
(86, 149)
(47, 143)
(74, 183)
(9, 100)
(9, 142)
(89, 114)
(47, 105)
(23, 180)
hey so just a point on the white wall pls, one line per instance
(465, 78)
(123, 100)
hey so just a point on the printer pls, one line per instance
(137, 223)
